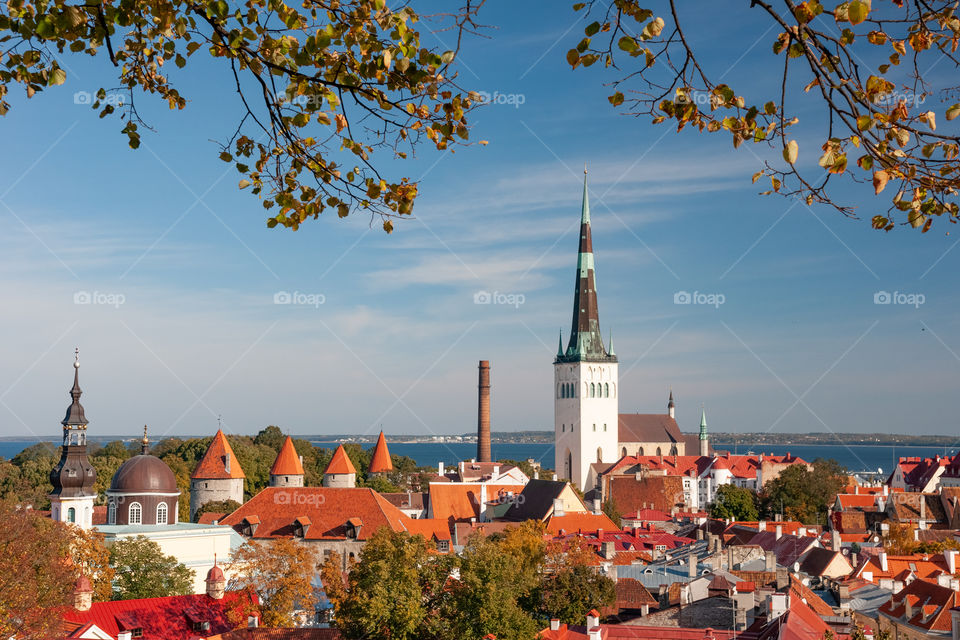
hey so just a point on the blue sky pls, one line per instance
(797, 345)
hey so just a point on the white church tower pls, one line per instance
(73, 478)
(586, 380)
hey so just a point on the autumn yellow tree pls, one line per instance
(880, 118)
(92, 558)
(280, 572)
(325, 90)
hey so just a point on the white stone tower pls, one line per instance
(586, 380)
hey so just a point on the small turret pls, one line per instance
(704, 438)
(83, 594)
(671, 407)
(216, 581)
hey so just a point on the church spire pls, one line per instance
(74, 415)
(586, 342)
(704, 438)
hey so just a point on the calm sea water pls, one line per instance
(855, 458)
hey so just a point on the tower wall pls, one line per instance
(203, 491)
(585, 426)
(293, 480)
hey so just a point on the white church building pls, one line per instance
(589, 430)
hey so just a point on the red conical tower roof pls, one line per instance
(219, 462)
(288, 461)
(381, 457)
(340, 463)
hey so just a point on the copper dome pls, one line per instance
(144, 474)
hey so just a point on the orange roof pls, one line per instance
(381, 457)
(219, 462)
(461, 501)
(429, 528)
(573, 522)
(288, 461)
(921, 565)
(326, 510)
(340, 462)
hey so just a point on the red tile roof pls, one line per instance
(213, 465)
(458, 502)
(921, 565)
(579, 522)
(328, 510)
(381, 457)
(429, 528)
(340, 463)
(648, 515)
(169, 618)
(929, 608)
(288, 461)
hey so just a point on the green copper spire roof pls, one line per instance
(610, 344)
(703, 424)
(560, 345)
(586, 342)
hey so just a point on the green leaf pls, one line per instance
(616, 99)
(592, 28)
(57, 76)
(858, 11)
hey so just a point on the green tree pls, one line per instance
(610, 509)
(225, 507)
(323, 91)
(735, 502)
(270, 436)
(143, 571)
(280, 572)
(486, 598)
(863, 111)
(804, 494)
(380, 484)
(568, 594)
(395, 588)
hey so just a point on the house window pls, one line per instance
(162, 513)
(135, 515)
(112, 513)
(71, 515)
(443, 545)
(136, 633)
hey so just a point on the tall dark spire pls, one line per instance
(74, 415)
(586, 342)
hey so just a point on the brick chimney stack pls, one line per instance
(483, 413)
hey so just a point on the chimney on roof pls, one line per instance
(82, 594)
(593, 619)
(692, 566)
(597, 507)
(923, 508)
(835, 540)
(554, 624)
(779, 531)
(950, 555)
(609, 549)
(916, 534)
(856, 489)
(594, 634)
(440, 468)
(769, 561)
(802, 532)
(762, 525)
(483, 413)
(886, 490)
(883, 561)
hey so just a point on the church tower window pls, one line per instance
(112, 513)
(606, 391)
(71, 515)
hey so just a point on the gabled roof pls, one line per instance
(818, 560)
(648, 427)
(929, 605)
(381, 463)
(288, 461)
(167, 618)
(429, 528)
(328, 509)
(920, 565)
(459, 502)
(340, 463)
(800, 622)
(574, 522)
(537, 500)
(218, 458)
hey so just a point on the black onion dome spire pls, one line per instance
(74, 416)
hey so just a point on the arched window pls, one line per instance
(593, 390)
(659, 453)
(594, 427)
(573, 390)
(599, 454)
(640, 453)
(604, 427)
(135, 513)
(112, 513)
(606, 389)
(162, 513)
(623, 453)
(563, 428)
(71, 515)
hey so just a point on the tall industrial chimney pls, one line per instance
(483, 413)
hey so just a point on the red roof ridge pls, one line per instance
(217, 460)
(288, 461)
(380, 462)
(340, 463)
